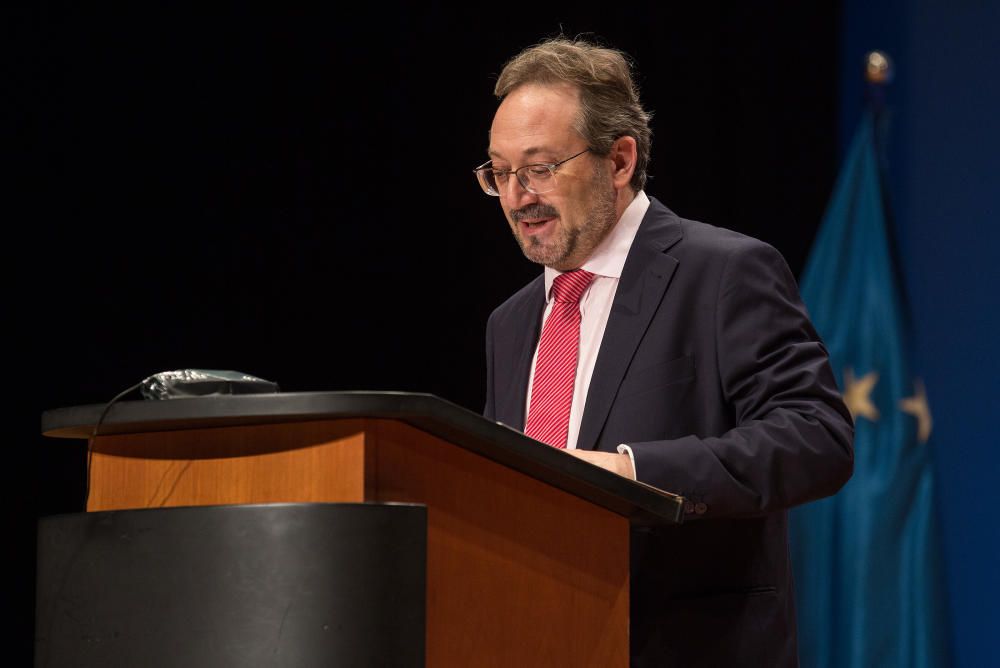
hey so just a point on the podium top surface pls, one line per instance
(640, 503)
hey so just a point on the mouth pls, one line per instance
(531, 226)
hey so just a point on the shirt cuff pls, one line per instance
(625, 450)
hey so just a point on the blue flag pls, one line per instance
(868, 572)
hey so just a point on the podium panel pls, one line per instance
(321, 462)
(527, 547)
(221, 586)
(516, 569)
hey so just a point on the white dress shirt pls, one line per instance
(595, 306)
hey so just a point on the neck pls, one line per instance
(623, 199)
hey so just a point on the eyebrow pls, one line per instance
(533, 150)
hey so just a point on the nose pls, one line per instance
(515, 195)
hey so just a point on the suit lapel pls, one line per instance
(644, 281)
(523, 337)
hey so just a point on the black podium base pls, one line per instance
(216, 586)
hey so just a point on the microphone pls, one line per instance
(184, 383)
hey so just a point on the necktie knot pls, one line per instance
(570, 286)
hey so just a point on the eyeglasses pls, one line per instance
(536, 178)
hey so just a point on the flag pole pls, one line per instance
(879, 72)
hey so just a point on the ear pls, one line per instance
(623, 156)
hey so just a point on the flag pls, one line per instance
(867, 564)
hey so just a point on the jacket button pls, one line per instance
(688, 507)
(700, 508)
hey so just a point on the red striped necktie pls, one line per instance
(555, 367)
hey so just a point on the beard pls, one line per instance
(570, 245)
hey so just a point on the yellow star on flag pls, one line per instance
(858, 394)
(918, 407)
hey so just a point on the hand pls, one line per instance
(612, 461)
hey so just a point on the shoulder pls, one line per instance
(530, 296)
(735, 268)
(702, 239)
(692, 239)
(736, 256)
(710, 256)
(708, 248)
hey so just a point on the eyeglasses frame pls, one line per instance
(551, 166)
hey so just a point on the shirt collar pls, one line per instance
(608, 258)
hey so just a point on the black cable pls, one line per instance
(93, 435)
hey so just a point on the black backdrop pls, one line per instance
(288, 192)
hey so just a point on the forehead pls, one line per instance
(535, 119)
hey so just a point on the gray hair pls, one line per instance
(609, 97)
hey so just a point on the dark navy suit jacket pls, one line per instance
(711, 371)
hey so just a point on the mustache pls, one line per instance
(533, 211)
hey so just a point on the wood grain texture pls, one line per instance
(519, 573)
(322, 461)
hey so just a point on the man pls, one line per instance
(662, 349)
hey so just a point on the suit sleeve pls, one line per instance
(793, 437)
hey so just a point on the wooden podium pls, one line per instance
(527, 546)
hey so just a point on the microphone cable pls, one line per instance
(94, 434)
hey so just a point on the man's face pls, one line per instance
(562, 227)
